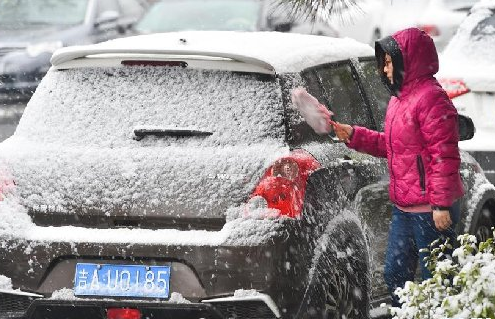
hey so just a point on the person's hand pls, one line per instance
(442, 219)
(343, 131)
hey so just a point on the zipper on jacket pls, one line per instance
(392, 154)
(421, 170)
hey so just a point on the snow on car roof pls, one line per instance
(473, 41)
(265, 52)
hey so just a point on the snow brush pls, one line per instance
(316, 114)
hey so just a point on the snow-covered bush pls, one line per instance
(462, 286)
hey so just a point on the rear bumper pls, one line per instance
(41, 309)
(259, 307)
(13, 304)
(277, 267)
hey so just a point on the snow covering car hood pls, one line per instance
(129, 187)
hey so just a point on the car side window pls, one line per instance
(301, 132)
(131, 8)
(313, 85)
(342, 95)
(375, 90)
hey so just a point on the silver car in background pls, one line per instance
(227, 15)
(439, 18)
(31, 30)
(467, 72)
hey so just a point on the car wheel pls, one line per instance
(343, 298)
(340, 285)
(484, 224)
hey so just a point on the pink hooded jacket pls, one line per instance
(421, 129)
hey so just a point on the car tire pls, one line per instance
(344, 297)
(340, 285)
(485, 222)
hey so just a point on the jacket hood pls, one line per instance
(413, 54)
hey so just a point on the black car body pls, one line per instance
(181, 152)
(30, 31)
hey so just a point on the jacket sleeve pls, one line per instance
(437, 119)
(368, 141)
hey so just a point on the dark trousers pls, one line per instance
(408, 233)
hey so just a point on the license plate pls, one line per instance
(121, 280)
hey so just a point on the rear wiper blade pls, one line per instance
(142, 132)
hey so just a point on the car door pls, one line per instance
(377, 220)
(363, 178)
(342, 94)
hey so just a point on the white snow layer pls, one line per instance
(5, 283)
(478, 46)
(68, 294)
(74, 149)
(286, 52)
(241, 293)
(74, 153)
(16, 225)
(470, 56)
(103, 106)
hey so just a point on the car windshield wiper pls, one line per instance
(142, 132)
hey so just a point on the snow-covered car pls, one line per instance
(226, 15)
(31, 30)
(467, 72)
(439, 18)
(170, 176)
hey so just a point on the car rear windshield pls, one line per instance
(180, 15)
(105, 106)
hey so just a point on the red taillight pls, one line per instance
(454, 87)
(123, 313)
(430, 29)
(283, 185)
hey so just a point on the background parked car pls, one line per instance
(439, 18)
(227, 15)
(31, 30)
(468, 74)
(363, 22)
(180, 155)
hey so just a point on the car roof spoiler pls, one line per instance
(74, 57)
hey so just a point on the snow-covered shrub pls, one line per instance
(462, 286)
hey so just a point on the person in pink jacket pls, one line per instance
(420, 144)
